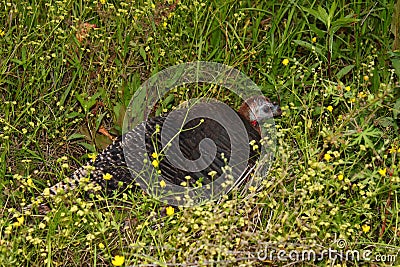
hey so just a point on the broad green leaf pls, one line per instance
(396, 66)
(396, 109)
(344, 71)
(169, 100)
(340, 23)
(69, 87)
(19, 62)
(76, 136)
(98, 120)
(81, 101)
(318, 32)
(310, 47)
(314, 13)
(332, 10)
(74, 114)
(33, 153)
(325, 17)
(89, 147)
(142, 53)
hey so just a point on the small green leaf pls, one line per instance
(396, 109)
(81, 101)
(142, 53)
(332, 10)
(75, 136)
(33, 153)
(344, 71)
(74, 114)
(19, 62)
(98, 120)
(314, 13)
(159, 111)
(324, 17)
(340, 23)
(310, 47)
(89, 147)
(318, 32)
(68, 89)
(396, 65)
(169, 100)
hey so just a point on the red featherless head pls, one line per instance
(257, 108)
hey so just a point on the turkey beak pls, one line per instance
(276, 109)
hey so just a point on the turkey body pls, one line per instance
(206, 151)
(113, 160)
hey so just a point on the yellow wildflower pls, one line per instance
(361, 95)
(118, 260)
(29, 182)
(101, 246)
(163, 184)
(92, 156)
(2, 33)
(329, 108)
(154, 155)
(107, 176)
(382, 172)
(314, 39)
(155, 163)
(327, 157)
(19, 222)
(212, 173)
(340, 177)
(366, 228)
(21, 219)
(170, 210)
(366, 78)
(393, 149)
(102, 2)
(347, 88)
(285, 61)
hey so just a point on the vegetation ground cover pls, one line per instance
(69, 68)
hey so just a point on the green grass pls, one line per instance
(68, 68)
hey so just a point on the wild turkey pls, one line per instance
(112, 169)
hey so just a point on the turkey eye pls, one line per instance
(266, 109)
